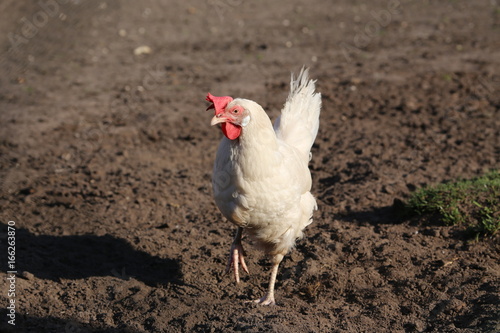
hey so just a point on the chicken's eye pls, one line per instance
(235, 111)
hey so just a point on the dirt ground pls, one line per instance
(107, 153)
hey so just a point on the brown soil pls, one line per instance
(106, 161)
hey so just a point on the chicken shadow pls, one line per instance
(375, 216)
(398, 213)
(81, 256)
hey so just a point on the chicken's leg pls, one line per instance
(237, 256)
(268, 299)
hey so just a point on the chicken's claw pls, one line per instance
(236, 257)
(268, 299)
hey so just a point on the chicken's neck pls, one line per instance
(256, 150)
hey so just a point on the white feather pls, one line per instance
(299, 120)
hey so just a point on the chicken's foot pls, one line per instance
(237, 256)
(268, 299)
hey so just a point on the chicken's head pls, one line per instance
(231, 116)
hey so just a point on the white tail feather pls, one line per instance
(299, 120)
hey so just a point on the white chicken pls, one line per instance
(261, 180)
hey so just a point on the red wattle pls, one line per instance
(231, 131)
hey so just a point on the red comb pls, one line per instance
(218, 103)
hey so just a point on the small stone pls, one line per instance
(356, 80)
(143, 49)
(388, 189)
(454, 306)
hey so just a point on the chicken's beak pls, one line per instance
(217, 119)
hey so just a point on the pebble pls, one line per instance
(143, 49)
